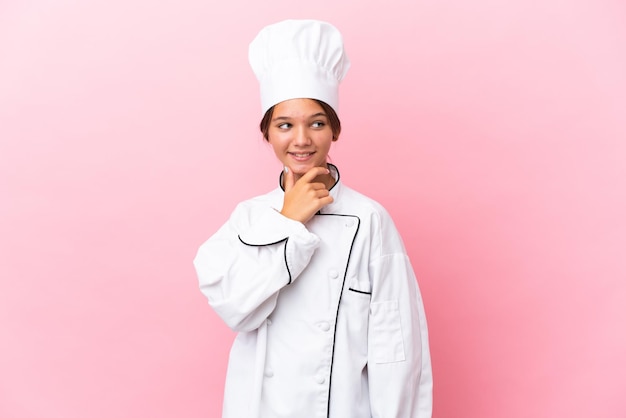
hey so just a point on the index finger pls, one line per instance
(313, 173)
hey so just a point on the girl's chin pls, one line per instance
(301, 169)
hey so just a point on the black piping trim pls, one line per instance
(285, 240)
(343, 284)
(262, 245)
(280, 180)
(360, 291)
(287, 265)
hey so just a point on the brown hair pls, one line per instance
(333, 120)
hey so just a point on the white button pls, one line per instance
(269, 373)
(333, 274)
(320, 379)
(324, 326)
(349, 222)
(269, 321)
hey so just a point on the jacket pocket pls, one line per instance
(386, 344)
(360, 287)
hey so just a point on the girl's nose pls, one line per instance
(302, 137)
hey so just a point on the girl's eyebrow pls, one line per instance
(281, 118)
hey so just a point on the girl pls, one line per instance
(313, 275)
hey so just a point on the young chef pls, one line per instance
(313, 275)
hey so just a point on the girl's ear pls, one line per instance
(335, 138)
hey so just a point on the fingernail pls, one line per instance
(286, 169)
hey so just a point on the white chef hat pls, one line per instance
(298, 59)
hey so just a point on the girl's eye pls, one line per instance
(318, 124)
(284, 125)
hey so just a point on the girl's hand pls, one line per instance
(303, 198)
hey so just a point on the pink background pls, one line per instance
(494, 132)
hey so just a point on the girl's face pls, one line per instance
(300, 135)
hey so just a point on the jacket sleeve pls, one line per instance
(242, 268)
(399, 367)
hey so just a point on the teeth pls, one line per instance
(302, 155)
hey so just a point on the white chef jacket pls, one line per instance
(329, 316)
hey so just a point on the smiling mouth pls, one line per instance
(301, 154)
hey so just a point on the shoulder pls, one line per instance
(247, 210)
(362, 205)
(263, 199)
(376, 225)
